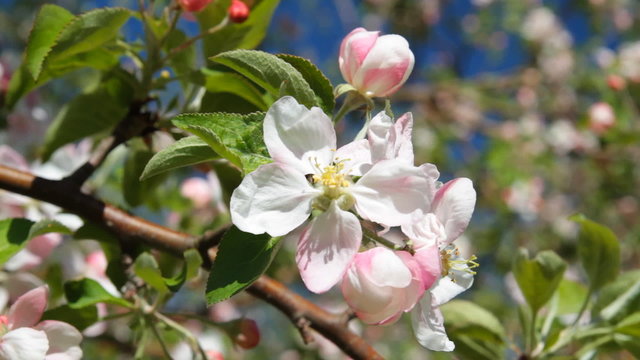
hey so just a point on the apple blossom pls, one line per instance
(375, 65)
(601, 117)
(309, 174)
(193, 5)
(380, 285)
(450, 214)
(24, 338)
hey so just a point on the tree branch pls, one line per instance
(302, 312)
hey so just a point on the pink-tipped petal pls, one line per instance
(43, 245)
(327, 248)
(10, 157)
(390, 192)
(63, 338)
(353, 51)
(274, 199)
(428, 261)
(28, 308)
(428, 326)
(400, 145)
(453, 206)
(297, 136)
(24, 344)
(356, 156)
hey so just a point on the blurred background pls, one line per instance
(536, 101)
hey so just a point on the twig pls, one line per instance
(132, 228)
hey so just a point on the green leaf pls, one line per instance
(49, 22)
(146, 267)
(276, 76)
(465, 317)
(192, 263)
(228, 82)
(319, 83)
(79, 318)
(48, 226)
(89, 31)
(184, 152)
(630, 325)
(90, 113)
(599, 251)
(235, 137)
(623, 303)
(570, 297)
(108, 241)
(14, 234)
(85, 292)
(538, 278)
(247, 35)
(183, 61)
(241, 259)
(611, 292)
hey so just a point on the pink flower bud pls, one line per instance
(193, 5)
(248, 336)
(616, 82)
(238, 11)
(375, 65)
(214, 355)
(601, 117)
(380, 285)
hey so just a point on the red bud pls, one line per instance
(616, 82)
(238, 11)
(193, 5)
(249, 335)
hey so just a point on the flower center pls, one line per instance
(332, 178)
(450, 260)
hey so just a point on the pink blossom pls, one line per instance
(375, 65)
(197, 190)
(381, 285)
(601, 117)
(193, 5)
(308, 173)
(24, 338)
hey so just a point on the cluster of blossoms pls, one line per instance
(319, 195)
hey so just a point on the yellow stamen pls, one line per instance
(450, 263)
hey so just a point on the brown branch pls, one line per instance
(131, 228)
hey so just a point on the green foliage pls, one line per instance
(276, 76)
(87, 292)
(16, 233)
(135, 190)
(60, 42)
(237, 138)
(80, 318)
(247, 35)
(229, 82)
(319, 83)
(146, 267)
(619, 297)
(241, 259)
(599, 252)
(539, 277)
(476, 332)
(184, 152)
(93, 112)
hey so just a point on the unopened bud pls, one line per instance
(238, 11)
(193, 5)
(243, 332)
(616, 82)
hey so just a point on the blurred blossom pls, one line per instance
(430, 11)
(482, 3)
(556, 211)
(563, 136)
(604, 57)
(629, 60)
(238, 11)
(211, 341)
(616, 82)
(556, 65)
(527, 97)
(601, 117)
(193, 5)
(539, 25)
(622, 18)
(204, 193)
(525, 197)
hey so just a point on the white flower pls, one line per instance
(308, 173)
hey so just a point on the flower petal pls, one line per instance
(453, 206)
(378, 135)
(24, 344)
(428, 326)
(399, 144)
(384, 268)
(354, 49)
(297, 136)
(356, 156)
(450, 286)
(28, 308)
(428, 259)
(327, 247)
(390, 192)
(63, 338)
(274, 199)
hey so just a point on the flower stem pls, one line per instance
(365, 127)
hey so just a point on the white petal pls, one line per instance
(387, 269)
(453, 206)
(62, 336)
(428, 326)
(274, 199)
(450, 286)
(297, 136)
(22, 260)
(327, 247)
(23, 344)
(356, 156)
(378, 135)
(399, 144)
(390, 192)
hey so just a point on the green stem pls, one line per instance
(365, 127)
(583, 308)
(173, 52)
(532, 333)
(116, 316)
(156, 333)
(187, 334)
